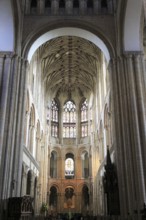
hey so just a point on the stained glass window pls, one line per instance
(69, 120)
(69, 167)
(84, 119)
(54, 119)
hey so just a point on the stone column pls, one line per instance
(27, 6)
(19, 117)
(41, 6)
(24, 183)
(63, 167)
(34, 142)
(26, 133)
(97, 6)
(78, 125)
(69, 7)
(83, 6)
(59, 167)
(6, 63)
(129, 98)
(12, 79)
(110, 6)
(55, 7)
(61, 125)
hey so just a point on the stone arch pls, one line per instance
(80, 186)
(132, 35)
(93, 34)
(56, 185)
(71, 184)
(57, 149)
(81, 150)
(69, 196)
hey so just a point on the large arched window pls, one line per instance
(69, 120)
(84, 119)
(54, 118)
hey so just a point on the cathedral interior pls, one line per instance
(73, 109)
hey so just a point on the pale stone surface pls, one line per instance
(65, 70)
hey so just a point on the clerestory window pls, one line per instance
(69, 120)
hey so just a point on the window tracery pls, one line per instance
(69, 120)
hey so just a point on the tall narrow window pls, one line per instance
(84, 119)
(69, 120)
(54, 119)
(69, 166)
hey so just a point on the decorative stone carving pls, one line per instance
(20, 206)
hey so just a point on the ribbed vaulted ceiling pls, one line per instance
(69, 63)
